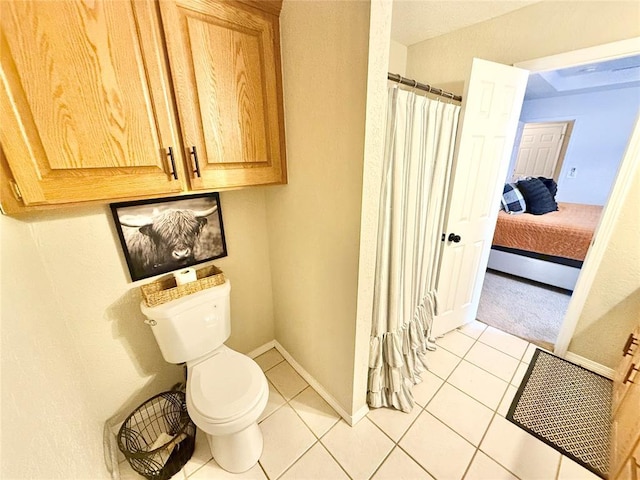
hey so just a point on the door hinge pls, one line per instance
(16, 190)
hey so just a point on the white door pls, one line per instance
(492, 104)
(539, 150)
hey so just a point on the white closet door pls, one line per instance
(539, 150)
(490, 113)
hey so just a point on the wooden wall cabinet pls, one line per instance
(625, 428)
(87, 99)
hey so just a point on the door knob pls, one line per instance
(454, 238)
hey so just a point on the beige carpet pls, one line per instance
(524, 308)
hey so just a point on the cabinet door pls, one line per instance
(84, 100)
(625, 427)
(630, 359)
(225, 64)
(625, 431)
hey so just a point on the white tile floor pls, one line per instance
(456, 430)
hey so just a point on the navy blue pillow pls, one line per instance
(538, 197)
(551, 184)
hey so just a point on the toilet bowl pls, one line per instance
(226, 394)
(226, 391)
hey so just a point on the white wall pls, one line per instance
(314, 221)
(603, 124)
(75, 351)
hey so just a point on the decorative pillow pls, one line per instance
(551, 184)
(512, 199)
(537, 196)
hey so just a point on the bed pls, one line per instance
(547, 248)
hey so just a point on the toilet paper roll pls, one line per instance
(185, 275)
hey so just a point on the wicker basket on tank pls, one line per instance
(165, 289)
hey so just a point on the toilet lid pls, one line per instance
(225, 386)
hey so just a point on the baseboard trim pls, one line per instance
(350, 419)
(590, 365)
(262, 349)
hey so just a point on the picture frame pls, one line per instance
(161, 235)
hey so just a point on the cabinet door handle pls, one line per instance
(628, 347)
(627, 377)
(194, 154)
(173, 163)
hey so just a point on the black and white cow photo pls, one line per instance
(162, 235)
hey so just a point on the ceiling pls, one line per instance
(612, 74)
(414, 21)
(417, 20)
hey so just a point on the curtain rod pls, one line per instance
(394, 77)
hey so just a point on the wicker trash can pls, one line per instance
(158, 438)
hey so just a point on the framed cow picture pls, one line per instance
(165, 234)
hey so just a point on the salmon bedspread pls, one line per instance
(566, 233)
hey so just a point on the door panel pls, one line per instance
(539, 150)
(239, 134)
(225, 62)
(85, 106)
(489, 120)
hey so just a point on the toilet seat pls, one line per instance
(225, 387)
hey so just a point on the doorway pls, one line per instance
(570, 308)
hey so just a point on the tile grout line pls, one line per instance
(186, 476)
(331, 454)
(494, 410)
(317, 438)
(424, 410)
(292, 464)
(559, 466)
(396, 444)
(476, 447)
(286, 402)
(478, 366)
(495, 413)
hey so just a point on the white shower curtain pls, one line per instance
(420, 138)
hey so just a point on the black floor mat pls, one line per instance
(568, 408)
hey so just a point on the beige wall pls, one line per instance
(47, 417)
(544, 29)
(398, 58)
(75, 352)
(314, 221)
(539, 30)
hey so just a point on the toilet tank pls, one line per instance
(191, 326)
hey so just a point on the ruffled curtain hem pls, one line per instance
(396, 359)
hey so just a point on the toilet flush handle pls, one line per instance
(151, 323)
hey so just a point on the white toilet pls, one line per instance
(226, 391)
